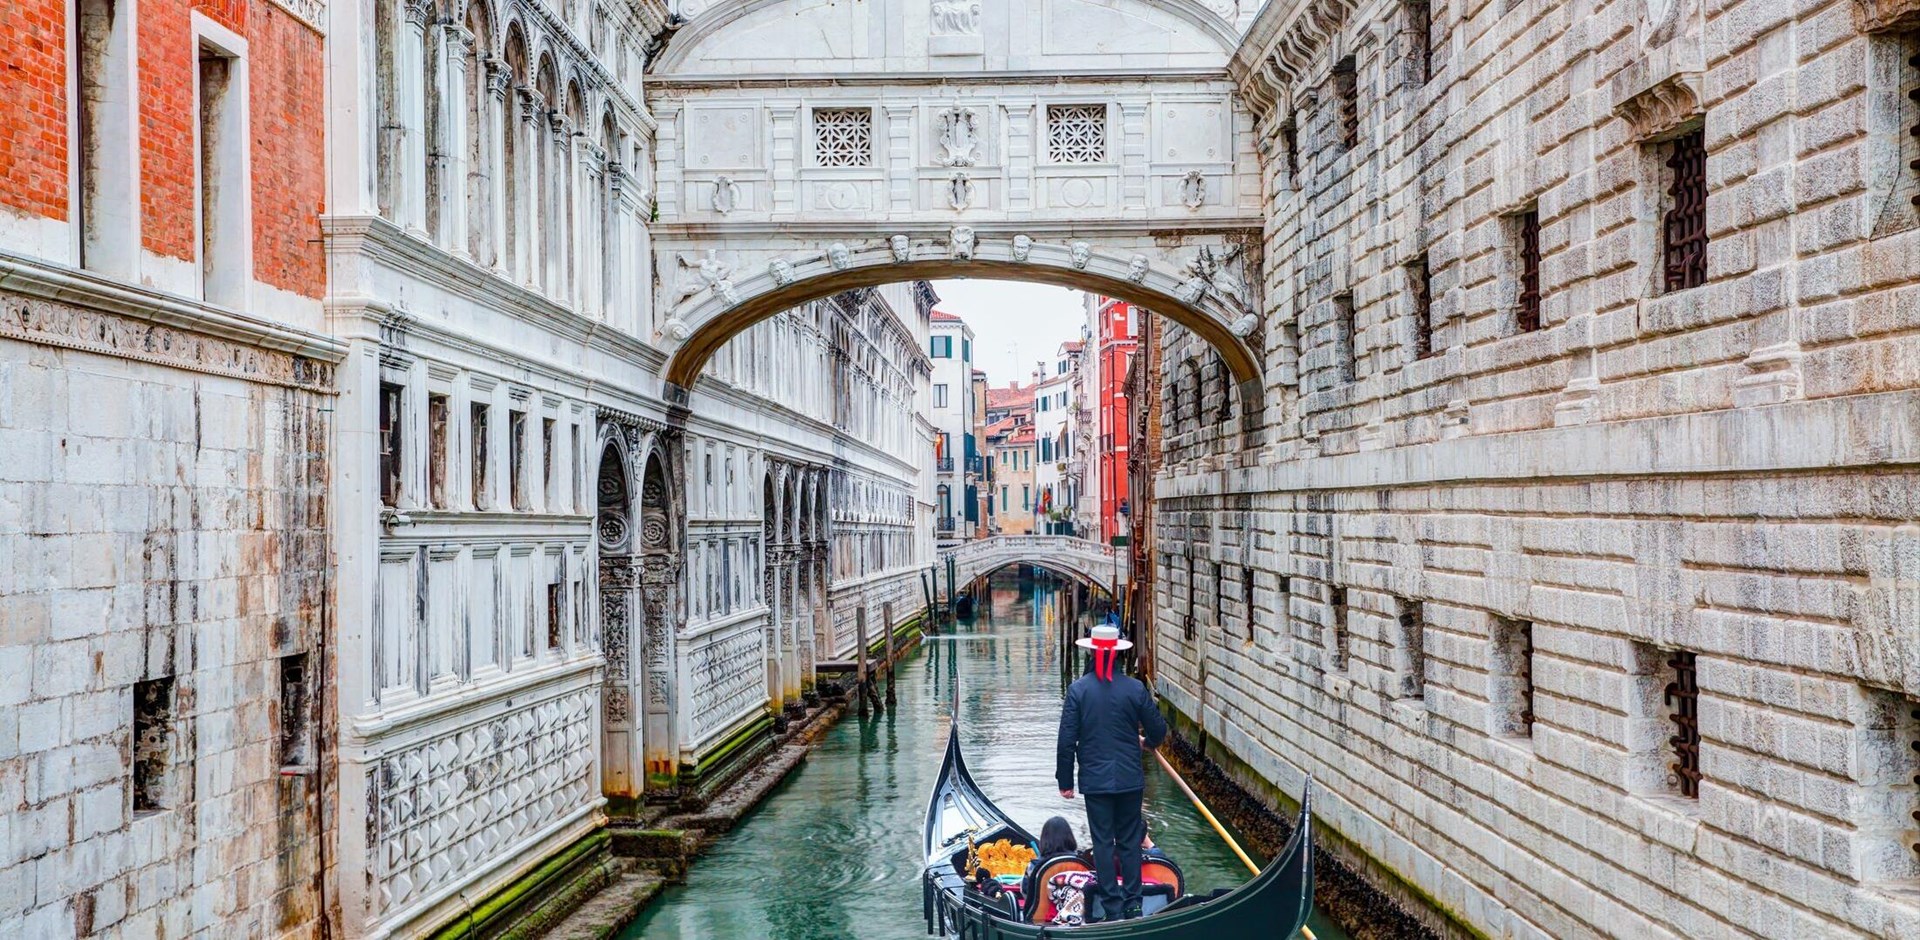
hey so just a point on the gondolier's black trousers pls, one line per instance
(1114, 819)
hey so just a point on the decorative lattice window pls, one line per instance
(843, 136)
(1077, 133)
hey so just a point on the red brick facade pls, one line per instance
(287, 115)
(33, 125)
(289, 150)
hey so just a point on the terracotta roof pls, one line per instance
(941, 316)
(1009, 397)
(1021, 435)
(1072, 346)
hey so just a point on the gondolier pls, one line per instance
(1107, 720)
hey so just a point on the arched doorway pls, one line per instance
(773, 571)
(622, 735)
(662, 611)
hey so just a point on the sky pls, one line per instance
(1014, 324)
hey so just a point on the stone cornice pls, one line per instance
(1278, 50)
(1015, 77)
(84, 312)
(717, 232)
(1878, 430)
(382, 241)
(1873, 16)
(1661, 106)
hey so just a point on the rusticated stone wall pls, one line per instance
(1486, 580)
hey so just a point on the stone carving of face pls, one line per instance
(1082, 253)
(902, 248)
(782, 272)
(839, 256)
(962, 242)
(1022, 247)
(1137, 269)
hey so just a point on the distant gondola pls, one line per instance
(1273, 906)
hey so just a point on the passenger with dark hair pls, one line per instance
(1056, 838)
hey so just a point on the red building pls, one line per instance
(1116, 334)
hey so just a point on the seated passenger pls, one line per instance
(1063, 902)
(1056, 838)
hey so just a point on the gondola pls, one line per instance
(1273, 906)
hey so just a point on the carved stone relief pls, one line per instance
(960, 242)
(726, 194)
(955, 18)
(959, 137)
(959, 191)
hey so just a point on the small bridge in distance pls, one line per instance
(1082, 559)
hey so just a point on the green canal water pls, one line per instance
(835, 851)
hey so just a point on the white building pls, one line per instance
(952, 409)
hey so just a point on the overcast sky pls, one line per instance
(1014, 324)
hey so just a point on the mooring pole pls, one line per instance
(888, 626)
(930, 627)
(950, 586)
(860, 660)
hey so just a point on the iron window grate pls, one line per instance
(1529, 315)
(1684, 232)
(1683, 697)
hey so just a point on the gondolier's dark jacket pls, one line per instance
(1101, 725)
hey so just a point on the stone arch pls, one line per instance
(1051, 565)
(619, 582)
(659, 545)
(725, 19)
(720, 298)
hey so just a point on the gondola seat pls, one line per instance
(1161, 884)
(1040, 908)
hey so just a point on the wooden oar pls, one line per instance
(1207, 814)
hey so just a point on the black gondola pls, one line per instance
(1273, 906)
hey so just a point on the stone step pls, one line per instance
(611, 910)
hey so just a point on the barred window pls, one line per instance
(1684, 230)
(1346, 91)
(1420, 286)
(843, 136)
(1342, 648)
(1528, 318)
(1077, 133)
(1682, 696)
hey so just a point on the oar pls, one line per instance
(1207, 814)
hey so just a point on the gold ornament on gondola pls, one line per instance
(1004, 858)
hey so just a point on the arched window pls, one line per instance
(481, 65)
(433, 93)
(546, 186)
(517, 162)
(572, 274)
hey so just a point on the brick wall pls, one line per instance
(33, 80)
(289, 150)
(1722, 470)
(168, 63)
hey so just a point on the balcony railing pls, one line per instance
(944, 465)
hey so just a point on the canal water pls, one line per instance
(834, 852)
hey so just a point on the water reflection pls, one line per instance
(834, 853)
